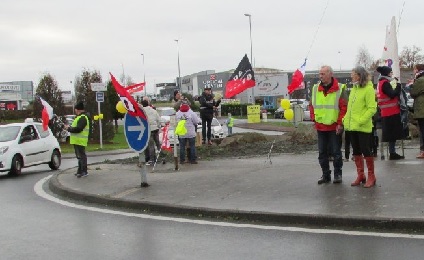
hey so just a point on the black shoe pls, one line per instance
(337, 179)
(203, 142)
(84, 174)
(395, 156)
(194, 162)
(324, 179)
(144, 185)
(330, 158)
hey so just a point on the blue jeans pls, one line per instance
(191, 143)
(329, 140)
(230, 130)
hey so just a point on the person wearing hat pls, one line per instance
(388, 92)
(207, 107)
(79, 138)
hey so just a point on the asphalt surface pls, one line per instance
(282, 190)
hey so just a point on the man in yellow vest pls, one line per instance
(79, 138)
(327, 108)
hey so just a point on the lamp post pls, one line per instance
(179, 71)
(144, 77)
(251, 92)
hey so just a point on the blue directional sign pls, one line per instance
(100, 96)
(137, 132)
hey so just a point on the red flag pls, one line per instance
(166, 144)
(242, 79)
(46, 114)
(297, 79)
(130, 104)
(136, 87)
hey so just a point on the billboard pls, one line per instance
(271, 85)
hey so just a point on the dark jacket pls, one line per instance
(207, 102)
(417, 93)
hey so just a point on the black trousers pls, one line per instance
(361, 144)
(82, 158)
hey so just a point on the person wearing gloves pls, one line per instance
(358, 122)
(328, 107)
(189, 124)
(388, 92)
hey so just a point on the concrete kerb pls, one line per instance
(408, 225)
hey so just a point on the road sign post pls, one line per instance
(100, 97)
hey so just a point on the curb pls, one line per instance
(265, 218)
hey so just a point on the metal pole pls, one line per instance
(179, 71)
(144, 77)
(251, 53)
(100, 126)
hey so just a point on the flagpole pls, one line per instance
(144, 77)
(251, 53)
(179, 72)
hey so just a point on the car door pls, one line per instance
(30, 145)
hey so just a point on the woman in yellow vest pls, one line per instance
(79, 138)
(358, 122)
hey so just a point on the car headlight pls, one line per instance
(4, 149)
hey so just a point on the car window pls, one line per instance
(43, 133)
(29, 134)
(9, 133)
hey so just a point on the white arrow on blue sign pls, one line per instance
(137, 132)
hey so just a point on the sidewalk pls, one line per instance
(251, 189)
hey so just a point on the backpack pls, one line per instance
(181, 128)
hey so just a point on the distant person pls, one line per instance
(328, 107)
(230, 123)
(154, 124)
(388, 92)
(207, 107)
(358, 122)
(191, 121)
(79, 130)
(146, 154)
(417, 93)
(178, 99)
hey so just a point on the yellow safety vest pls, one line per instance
(82, 137)
(326, 108)
(231, 122)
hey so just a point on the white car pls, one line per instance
(27, 144)
(165, 114)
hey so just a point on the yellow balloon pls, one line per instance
(288, 114)
(121, 108)
(100, 116)
(96, 118)
(285, 104)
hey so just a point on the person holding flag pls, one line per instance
(79, 138)
(328, 107)
(207, 107)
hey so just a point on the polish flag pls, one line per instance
(166, 144)
(297, 79)
(46, 114)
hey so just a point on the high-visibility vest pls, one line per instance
(82, 137)
(388, 106)
(230, 122)
(326, 108)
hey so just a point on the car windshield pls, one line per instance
(9, 133)
(166, 112)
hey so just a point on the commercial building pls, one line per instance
(16, 95)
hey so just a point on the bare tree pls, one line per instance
(364, 58)
(410, 56)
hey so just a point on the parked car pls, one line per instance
(27, 144)
(165, 114)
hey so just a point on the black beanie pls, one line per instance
(384, 70)
(79, 106)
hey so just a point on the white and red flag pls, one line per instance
(46, 114)
(242, 79)
(166, 144)
(130, 104)
(136, 87)
(297, 79)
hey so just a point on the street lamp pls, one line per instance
(179, 72)
(252, 98)
(144, 77)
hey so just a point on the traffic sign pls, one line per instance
(137, 132)
(98, 87)
(100, 96)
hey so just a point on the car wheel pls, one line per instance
(55, 161)
(16, 167)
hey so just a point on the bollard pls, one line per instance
(143, 170)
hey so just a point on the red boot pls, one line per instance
(371, 176)
(359, 162)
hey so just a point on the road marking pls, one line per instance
(38, 188)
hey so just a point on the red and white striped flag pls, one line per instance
(46, 114)
(166, 144)
(297, 79)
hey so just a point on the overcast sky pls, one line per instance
(63, 37)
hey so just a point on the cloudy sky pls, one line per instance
(64, 37)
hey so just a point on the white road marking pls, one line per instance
(38, 188)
